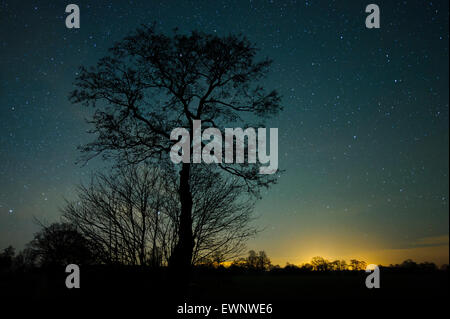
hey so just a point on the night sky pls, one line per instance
(363, 138)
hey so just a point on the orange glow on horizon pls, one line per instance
(353, 246)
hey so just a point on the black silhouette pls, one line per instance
(132, 216)
(254, 261)
(6, 258)
(153, 83)
(60, 244)
(249, 278)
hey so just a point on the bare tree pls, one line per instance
(133, 215)
(60, 244)
(222, 215)
(130, 214)
(254, 261)
(7, 257)
(357, 264)
(153, 83)
(320, 264)
(338, 265)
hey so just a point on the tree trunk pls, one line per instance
(180, 260)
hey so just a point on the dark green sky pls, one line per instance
(363, 137)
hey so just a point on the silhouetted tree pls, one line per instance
(254, 261)
(214, 260)
(222, 215)
(357, 264)
(24, 260)
(409, 264)
(60, 244)
(428, 266)
(320, 264)
(239, 263)
(133, 216)
(153, 83)
(6, 258)
(263, 261)
(338, 265)
(306, 267)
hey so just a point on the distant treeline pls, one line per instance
(40, 254)
(261, 262)
(61, 244)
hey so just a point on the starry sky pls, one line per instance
(363, 137)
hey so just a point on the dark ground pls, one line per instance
(116, 288)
